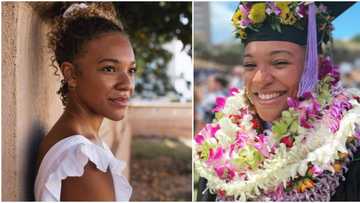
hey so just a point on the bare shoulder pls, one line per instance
(56, 134)
(93, 185)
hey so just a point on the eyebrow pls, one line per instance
(281, 52)
(273, 53)
(113, 60)
(108, 59)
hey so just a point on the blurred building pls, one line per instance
(202, 21)
(179, 70)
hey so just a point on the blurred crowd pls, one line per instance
(209, 86)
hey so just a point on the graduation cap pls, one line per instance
(303, 23)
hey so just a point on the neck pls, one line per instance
(82, 119)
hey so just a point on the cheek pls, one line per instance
(292, 82)
(248, 78)
(94, 88)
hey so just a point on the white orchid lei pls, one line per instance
(307, 147)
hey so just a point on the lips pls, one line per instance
(269, 97)
(120, 102)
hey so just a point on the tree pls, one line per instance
(356, 38)
(150, 25)
(227, 54)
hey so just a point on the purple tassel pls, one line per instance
(309, 77)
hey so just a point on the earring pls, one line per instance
(247, 96)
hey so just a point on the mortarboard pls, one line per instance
(303, 23)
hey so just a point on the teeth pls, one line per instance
(269, 96)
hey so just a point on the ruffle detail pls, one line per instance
(71, 163)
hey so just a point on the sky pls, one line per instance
(221, 28)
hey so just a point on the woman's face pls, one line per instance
(106, 78)
(272, 73)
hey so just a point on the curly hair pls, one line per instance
(73, 29)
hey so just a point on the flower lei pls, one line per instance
(251, 15)
(303, 156)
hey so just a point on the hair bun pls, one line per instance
(105, 10)
(72, 8)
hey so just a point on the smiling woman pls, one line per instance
(97, 62)
(267, 71)
(292, 134)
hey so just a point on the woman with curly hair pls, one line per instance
(292, 134)
(97, 61)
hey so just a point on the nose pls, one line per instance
(125, 82)
(263, 76)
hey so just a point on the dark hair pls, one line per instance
(221, 80)
(70, 33)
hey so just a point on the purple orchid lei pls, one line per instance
(234, 149)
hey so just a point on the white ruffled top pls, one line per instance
(68, 157)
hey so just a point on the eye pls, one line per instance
(109, 69)
(280, 64)
(249, 66)
(132, 70)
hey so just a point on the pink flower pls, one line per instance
(309, 109)
(199, 139)
(209, 130)
(272, 8)
(219, 104)
(300, 10)
(245, 22)
(315, 170)
(212, 129)
(240, 139)
(307, 95)
(239, 142)
(216, 154)
(244, 9)
(327, 68)
(261, 145)
(225, 172)
(278, 193)
(293, 102)
(233, 91)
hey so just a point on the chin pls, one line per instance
(115, 117)
(268, 118)
(269, 115)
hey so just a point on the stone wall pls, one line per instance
(28, 88)
(161, 119)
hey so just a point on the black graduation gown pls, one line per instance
(348, 190)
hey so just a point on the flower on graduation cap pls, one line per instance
(257, 13)
(250, 17)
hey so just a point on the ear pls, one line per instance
(69, 73)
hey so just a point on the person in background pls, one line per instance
(237, 77)
(216, 87)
